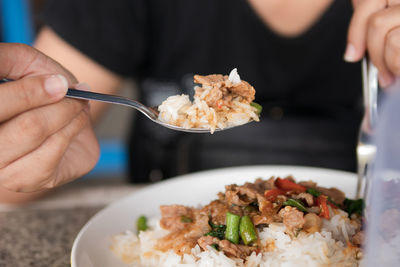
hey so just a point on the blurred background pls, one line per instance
(19, 22)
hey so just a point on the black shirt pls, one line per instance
(311, 97)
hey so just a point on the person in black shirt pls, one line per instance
(291, 52)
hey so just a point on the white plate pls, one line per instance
(92, 245)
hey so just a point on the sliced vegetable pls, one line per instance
(186, 219)
(295, 203)
(287, 185)
(332, 204)
(217, 231)
(322, 202)
(354, 206)
(247, 230)
(313, 192)
(232, 227)
(257, 106)
(272, 194)
(141, 224)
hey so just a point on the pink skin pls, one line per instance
(375, 27)
(46, 139)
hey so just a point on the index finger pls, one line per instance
(19, 61)
(357, 34)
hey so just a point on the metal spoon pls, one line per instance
(149, 112)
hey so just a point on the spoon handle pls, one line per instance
(112, 99)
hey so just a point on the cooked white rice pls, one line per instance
(325, 248)
(178, 110)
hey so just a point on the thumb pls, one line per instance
(28, 93)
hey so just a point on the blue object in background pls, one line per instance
(113, 159)
(16, 21)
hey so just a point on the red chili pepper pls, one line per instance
(322, 202)
(287, 185)
(332, 205)
(273, 193)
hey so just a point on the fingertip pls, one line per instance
(385, 80)
(351, 54)
(56, 85)
(83, 87)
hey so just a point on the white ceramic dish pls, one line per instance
(92, 245)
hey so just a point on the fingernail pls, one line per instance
(384, 81)
(350, 54)
(82, 86)
(56, 84)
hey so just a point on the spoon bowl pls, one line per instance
(150, 112)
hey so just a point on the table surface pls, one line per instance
(41, 233)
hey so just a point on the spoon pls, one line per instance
(149, 112)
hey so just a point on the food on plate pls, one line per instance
(220, 101)
(273, 222)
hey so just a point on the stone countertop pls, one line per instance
(42, 233)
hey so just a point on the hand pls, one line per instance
(45, 139)
(375, 26)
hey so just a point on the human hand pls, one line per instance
(375, 27)
(45, 139)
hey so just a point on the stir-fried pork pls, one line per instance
(216, 210)
(263, 201)
(358, 238)
(173, 217)
(335, 194)
(182, 240)
(237, 251)
(222, 90)
(206, 241)
(293, 219)
(307, 197)
(313, 223)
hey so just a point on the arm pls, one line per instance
(85, 69)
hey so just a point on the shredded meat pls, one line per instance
(217, 211)
(358, 238)
(238, 251)
(183, 240)
(233, 196)
(260, 219)
(230, 249)
(209, 80)
(335, 194)
(313, 223)
(307, 197)
(252, 191)
(292, 219)
(244, 89)
(308, 184)
(206, 241)
(222, 90)
(267, 208)
(265, 184)
(171, 217)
